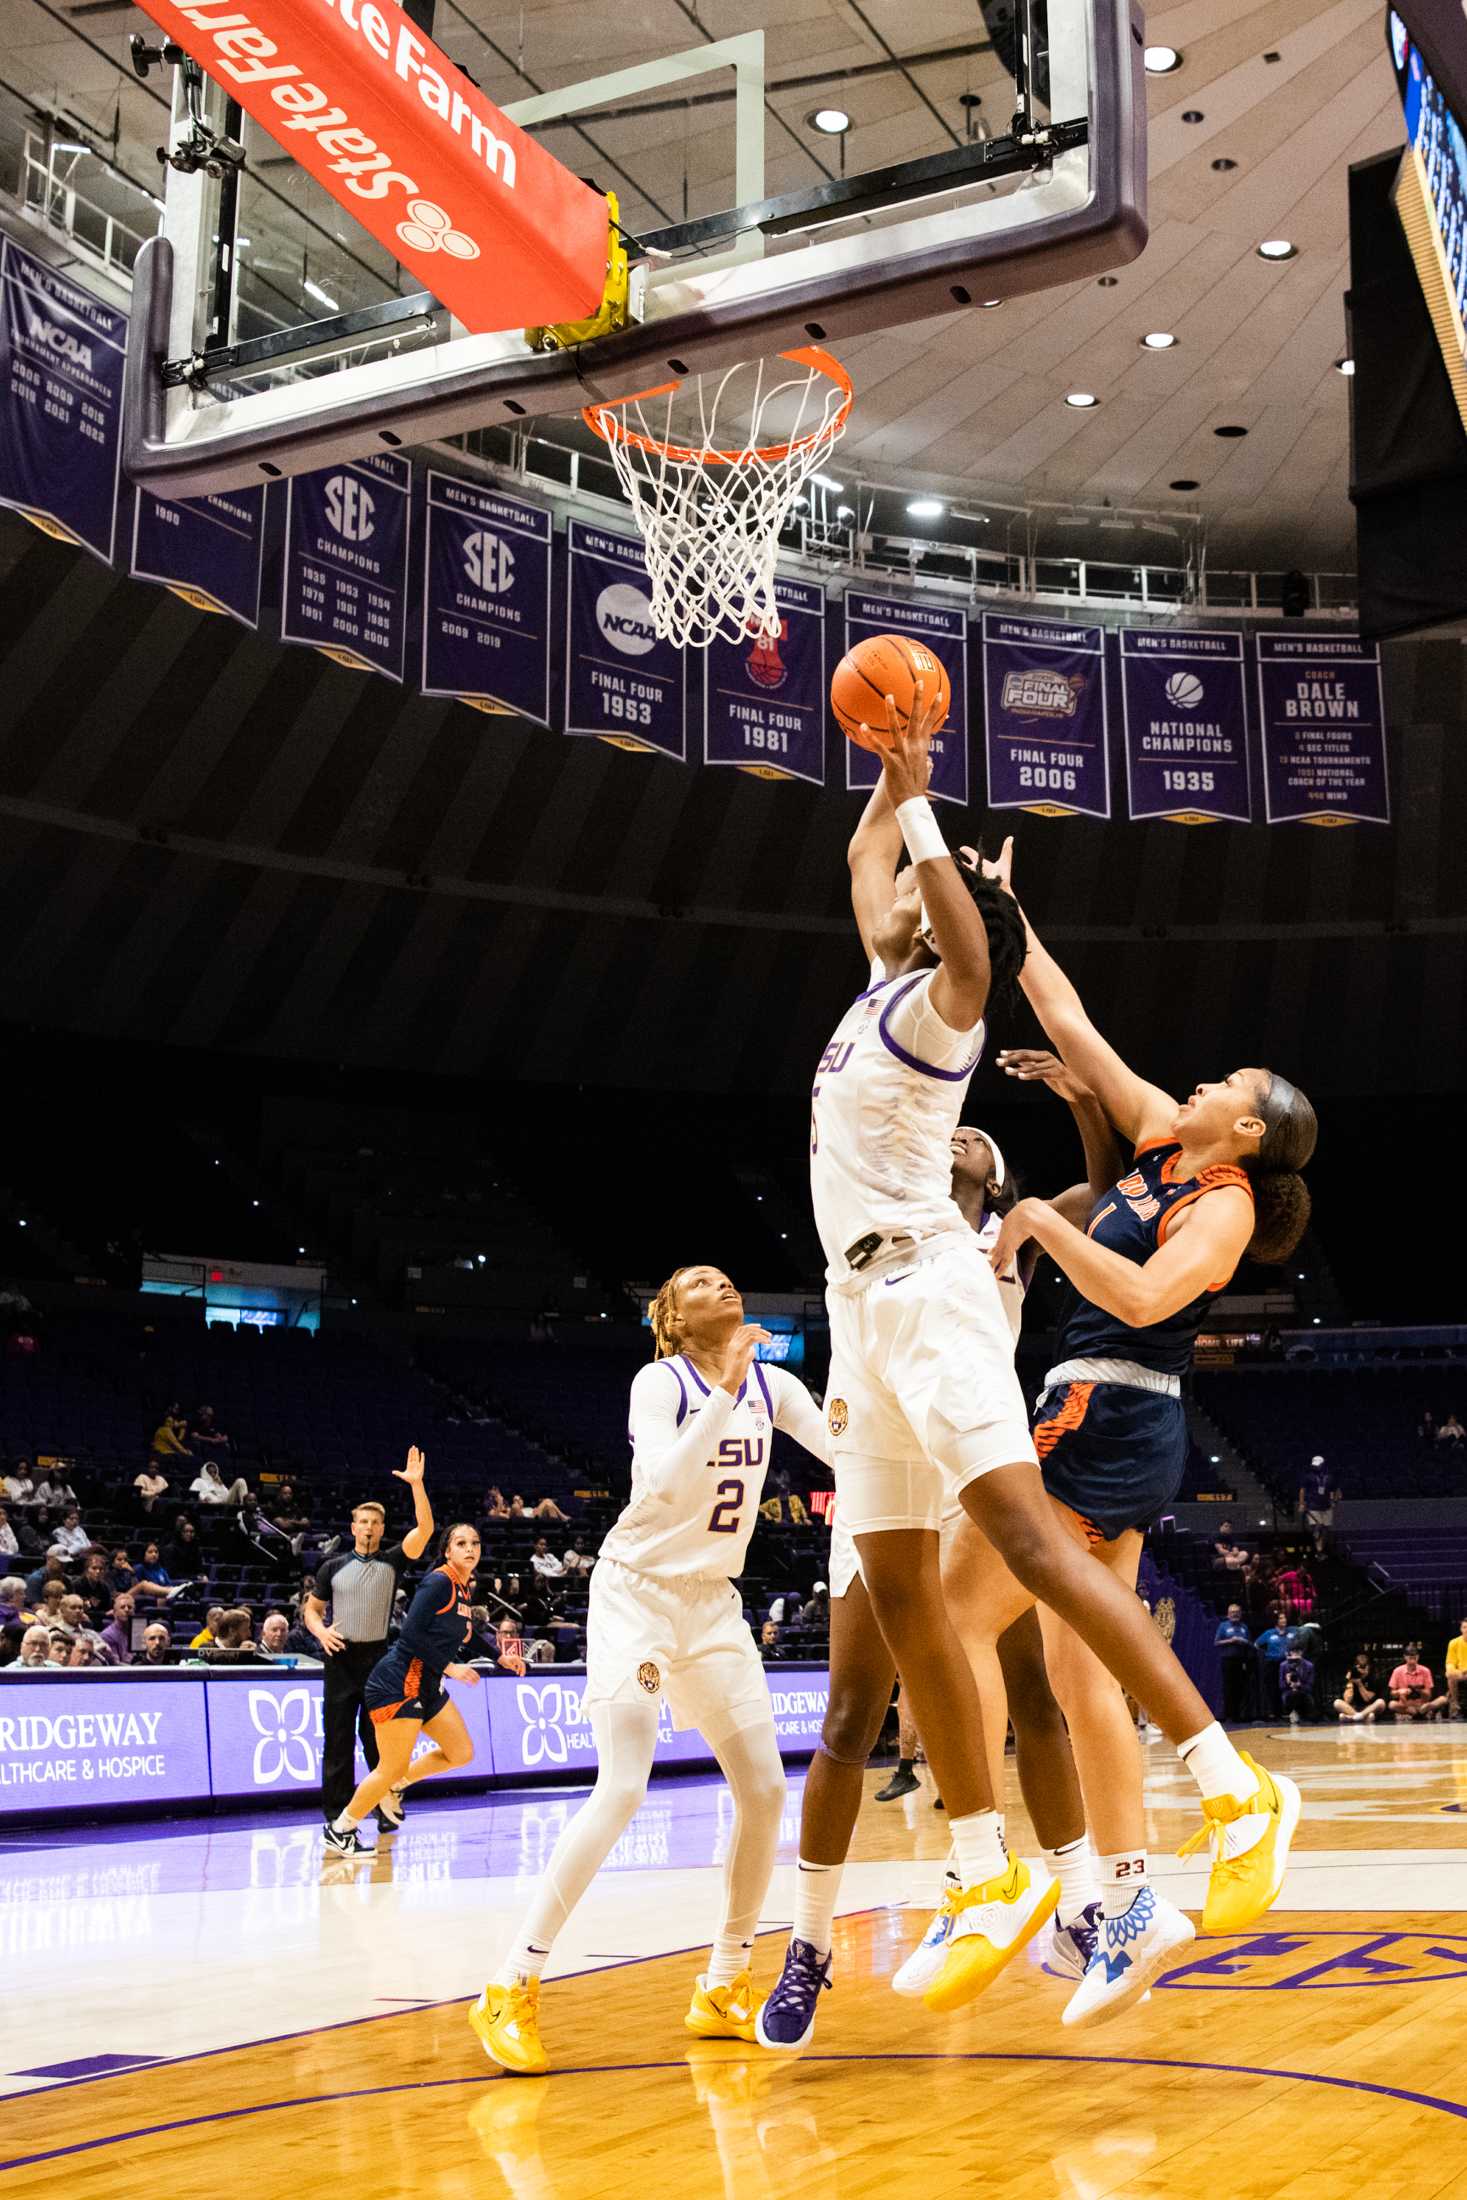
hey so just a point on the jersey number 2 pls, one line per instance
(724, 1518)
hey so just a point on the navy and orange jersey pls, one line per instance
(439, 1623)
(1132, 1219)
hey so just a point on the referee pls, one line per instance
(360, 1586)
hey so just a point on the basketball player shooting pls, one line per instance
(923, 1398)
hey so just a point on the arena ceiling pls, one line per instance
(1288, 92)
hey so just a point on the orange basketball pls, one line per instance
(885, 664)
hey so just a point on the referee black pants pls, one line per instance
(343, 1719)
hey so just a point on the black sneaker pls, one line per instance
(390, 1811)
(344, 1844)
(903, 1781)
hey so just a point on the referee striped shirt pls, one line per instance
(360, 1591)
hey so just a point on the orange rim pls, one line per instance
(602, 419)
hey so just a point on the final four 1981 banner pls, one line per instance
(764, 701)
(1323, 715)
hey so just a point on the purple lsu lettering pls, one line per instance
(832, 1062)
(734, 1451)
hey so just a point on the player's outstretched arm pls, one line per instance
(872, 855)
(959, 989)
(1105, 1155)
(1201, 1251)
(420, 1534)
(796, 1414)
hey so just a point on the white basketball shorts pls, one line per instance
(845, 1566)
(687, 1639)
(923, 1398)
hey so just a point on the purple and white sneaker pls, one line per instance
(1072, 1947)
(786, 2022)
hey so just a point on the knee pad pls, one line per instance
(858, 1764)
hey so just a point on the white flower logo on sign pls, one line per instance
(543, 1711)
(282, 1719)
(429, 229)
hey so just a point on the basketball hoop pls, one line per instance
(710, 506)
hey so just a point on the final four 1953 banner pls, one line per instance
(944, 629)
(764, 701)
(621, 682)
(1186, 725)
(1044, 700)
(1323, 715)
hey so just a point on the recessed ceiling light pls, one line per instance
(1082, 400)
(1223, 166)
(1184, 486)
(828, 481)
(1271, 55)
(986, 305)
(1345, 367)
(1232, 431)
(926, 508)
(1161, 60)
(834, 121)
(1277, 248)
(1193, 114)
(1107, 282)
(1160, 339)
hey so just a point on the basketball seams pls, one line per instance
(895, 674)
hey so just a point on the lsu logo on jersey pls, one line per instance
(837, 1416)
(649, 1676)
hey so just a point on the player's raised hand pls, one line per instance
(1014, 1234)
(739, 1357)
(413, 1471)
(1037, 1065)
(1001, 868)
(906, 755)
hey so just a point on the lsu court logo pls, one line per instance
(837, 1416)
(488, 563)
(625, 618)
(429, 229)
(285, 1721)
(1039, 693)
(1184, 690)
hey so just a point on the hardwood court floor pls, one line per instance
(1323, 2056)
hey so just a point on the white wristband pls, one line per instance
(921, 831)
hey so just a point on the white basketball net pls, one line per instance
(710, 489)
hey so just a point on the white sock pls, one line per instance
(979, 1843)
(729, 1956)
(1073, 1865)
(1216, 1766)
(345, 1823)
(1122, 1877)
(817, 1887)
(523, 1961)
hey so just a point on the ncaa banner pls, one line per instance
(1323, 718)
(346, 555)
(1186, 726)
(622, 683)
(208, 550)
(61, 354)
(486, 599)
(764, 701)
(1047, 732)
(945, 633)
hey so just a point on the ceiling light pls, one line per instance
(824, 481)
(1231, 432)
(1161, 60)
(1185, 486)
(322, 297)
(1223, 166)
(1082, 400)
(844, 511)
(1277, 248)
(1345, 367)
(1160, 339)
(987, 304)
(1107, 282)
(834, 121)
(1193, 114)
(926, 508)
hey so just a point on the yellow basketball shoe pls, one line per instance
(1251, 1839)
(723, 2012)
(507, 2020)
(988, 1926)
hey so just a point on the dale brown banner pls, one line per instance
(480, 214)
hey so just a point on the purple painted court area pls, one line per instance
(89, 2066)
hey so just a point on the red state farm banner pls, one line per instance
(488, 221)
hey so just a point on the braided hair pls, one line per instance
(1008, 940)
(1281, 1202)
(662, 1314)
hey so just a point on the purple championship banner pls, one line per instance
(486, 599)
(1186, 725)
(67, 1743)
(945, 632)
(621, 683)
(1323, 718)
(1046, 730)
(764, 701)
(208, 550)
(61, 354)
(346, 555)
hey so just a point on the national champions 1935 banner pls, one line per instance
(1185, 703)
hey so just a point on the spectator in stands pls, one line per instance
(124, 1573)
(12, 1598)
(1412, 1687)
(1360, 1699)
(578, 1560)
(1317, 1493)
(53, 1492)
(1229, 1554)
(544, 1560)
(233, 1643)
(208, 1634)
(1235, 1651)
(1296, 1686)
(769, 1642)
(1271, 1649)
(186, 1557)
(152, 1578)
(1451, 1431)
(545, 1508)
(288, 1514)
(9, 1548)
(151, 1486)
(815, 1612)
(157, 1646)
(117, 1634)
(55, 1562)
(210, 1488)
(1295, 1584)
(275, 1635)
(94, 1587)
(509, 1648)
(12, 1635)
(71, 1537)
(494, 1506)
(69, 1650)
(206, 1431)
(1426, 1428)
(1456, 1667)
(168, 1437)
(46, 1608)
(19, 1487)
(35, 1651)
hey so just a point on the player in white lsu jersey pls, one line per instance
(923, 1399)
(666, 1619)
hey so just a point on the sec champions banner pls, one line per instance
(1323, 714)
(61, 353)
(1186, 725)
(346, 555)
(486, 599)
(621, 683)
(764, 701)
(1047, 732)
(945, 633)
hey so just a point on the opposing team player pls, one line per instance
(1211, 1180)
(666, 1618)
(923, 1399)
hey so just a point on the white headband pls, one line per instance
(1000, 1166)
